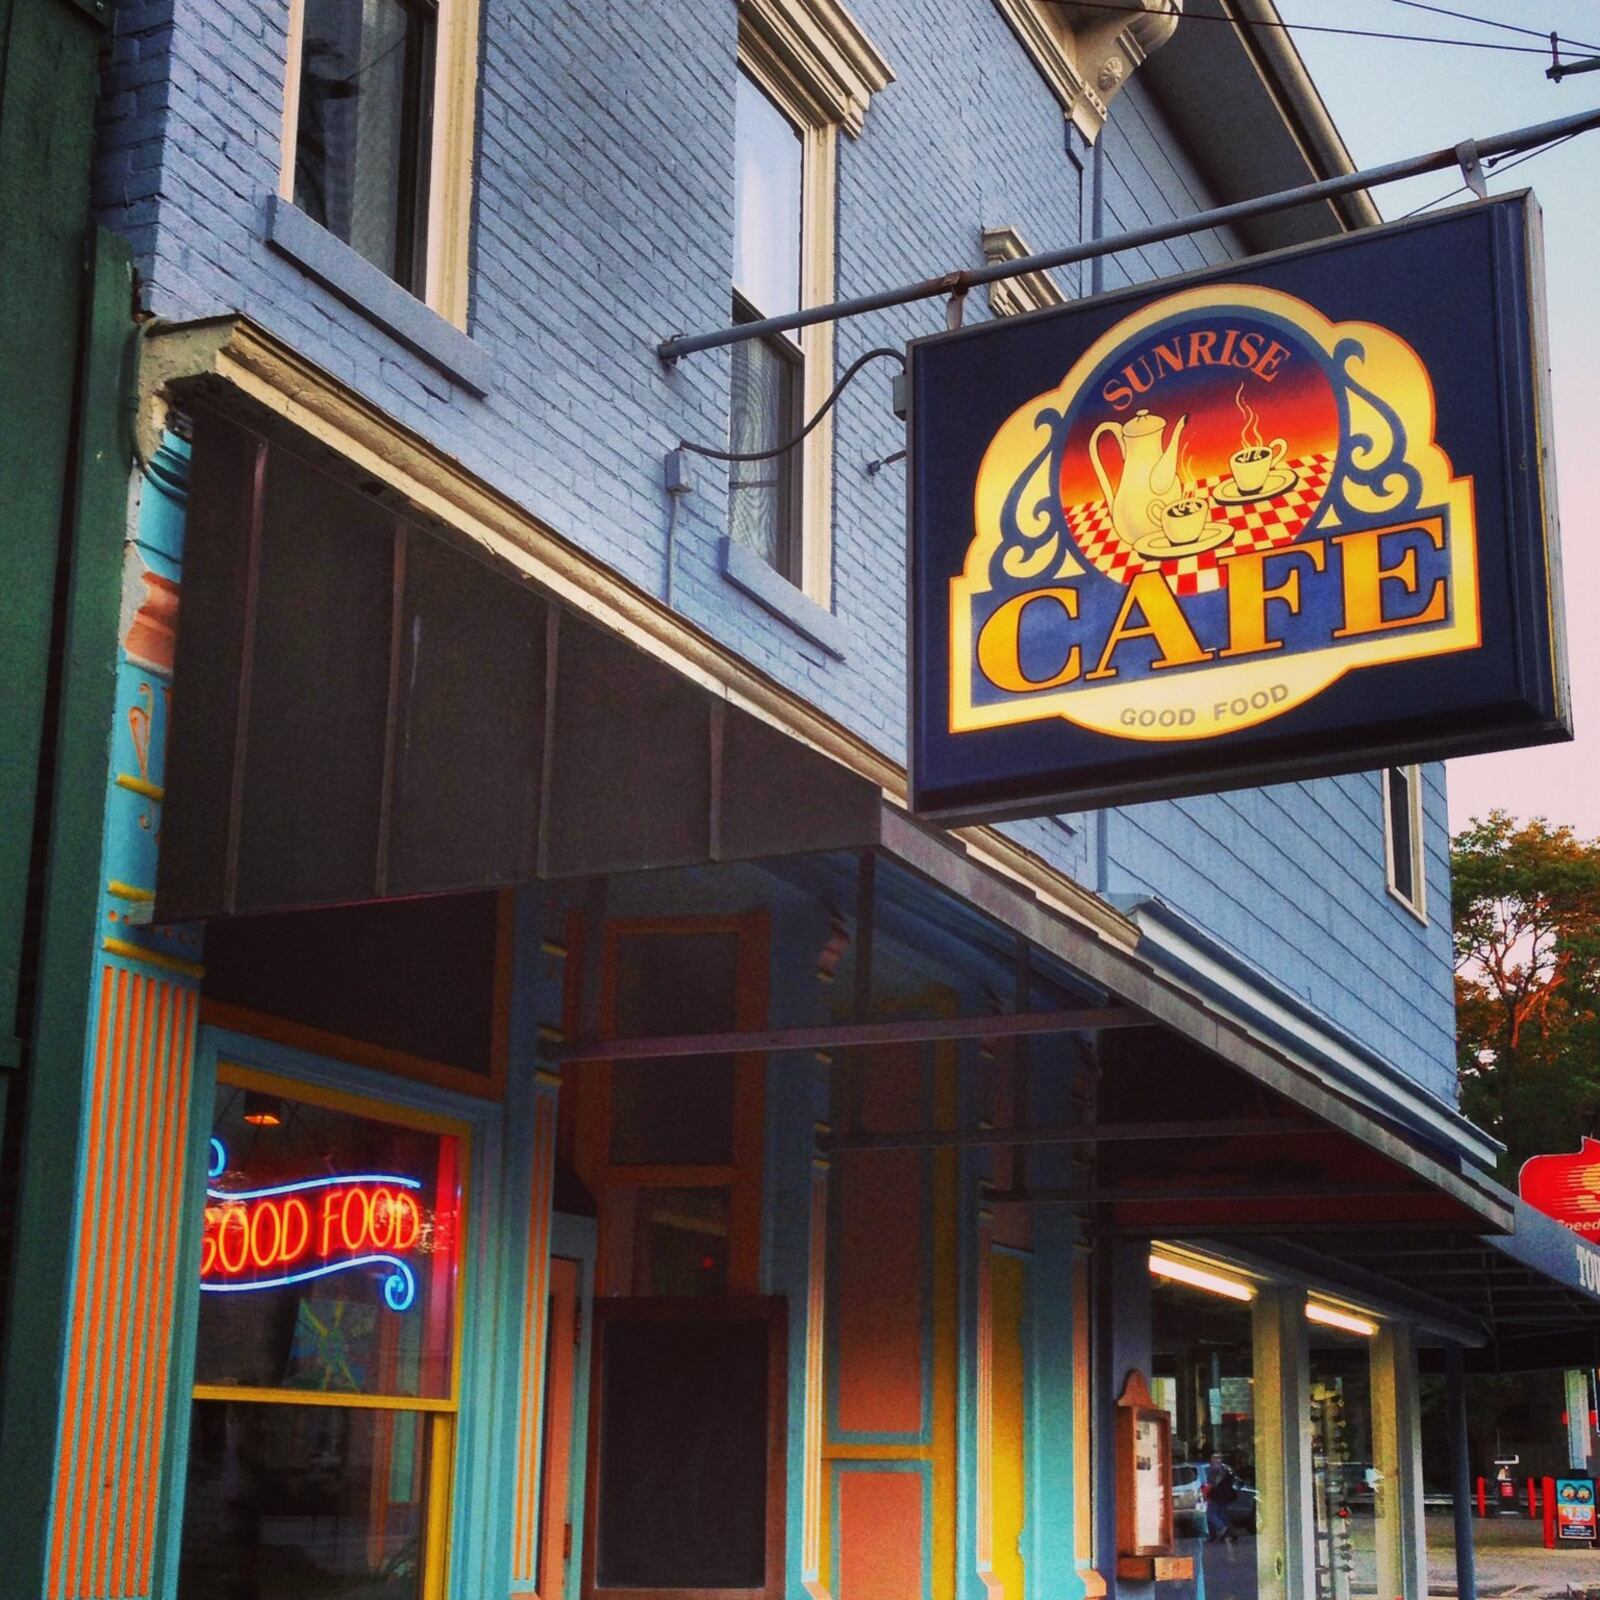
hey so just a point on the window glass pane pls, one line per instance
(764, 412)
(766, 203)
(330, 1251)
(362, 105)
(680, 1242)
(1343, 1480)
(1204, 1366)
(1400, 831)
(678, 1111)
(289, 1501)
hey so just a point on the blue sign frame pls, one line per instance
(1277, 520)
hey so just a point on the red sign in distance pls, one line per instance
(1566, 1187)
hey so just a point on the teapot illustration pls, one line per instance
(1149, 481)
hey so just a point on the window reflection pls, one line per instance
(1203, 1363)
(1343, 1478)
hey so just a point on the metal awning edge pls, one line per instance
(1137, 983)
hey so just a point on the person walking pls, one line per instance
(1221, 1491)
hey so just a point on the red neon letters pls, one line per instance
(272, 1233)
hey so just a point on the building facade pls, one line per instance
(544, 1120)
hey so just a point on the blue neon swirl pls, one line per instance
(313, 1183)
(399, 1287)
(219, 1158)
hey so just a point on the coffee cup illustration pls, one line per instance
(1255, 463)
(1184, 520)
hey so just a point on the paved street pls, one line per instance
(1512, 1564)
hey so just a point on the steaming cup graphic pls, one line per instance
(1255, 463)
(1184, 520)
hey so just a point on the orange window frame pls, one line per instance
(742, 1177)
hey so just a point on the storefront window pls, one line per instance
(1204, 1377)
(325, 1390)
(1342, 1473)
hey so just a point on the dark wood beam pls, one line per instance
(845, 1035)
(1077, 1134)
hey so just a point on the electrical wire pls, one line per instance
(1493, 22)
(1353, 33)
(880, 352)
(1527, 155)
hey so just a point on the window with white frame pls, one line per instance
(805, 70)
(377, 137)
(1402, 836)
(767, 381)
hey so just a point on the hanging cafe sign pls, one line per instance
(1280, 520)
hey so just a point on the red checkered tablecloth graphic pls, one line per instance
(1260, 525)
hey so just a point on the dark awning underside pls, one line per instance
(1534, 1292)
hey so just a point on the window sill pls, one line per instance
(1419, 912)
(750, 574)
(365, 288)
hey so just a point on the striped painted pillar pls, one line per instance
(531, 1390)
(124, 1235)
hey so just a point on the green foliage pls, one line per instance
(1526, 903)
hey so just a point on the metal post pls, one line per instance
(1577, 1390)
(959, 281)
(1455, 1399)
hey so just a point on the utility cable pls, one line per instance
(1527, 155)
(1490, 22)
(881, 351)
(1324, 27)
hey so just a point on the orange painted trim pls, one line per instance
(534, 1335)
(182, 1010)
(556, 1455)
(130, 1276)
(70, 1452)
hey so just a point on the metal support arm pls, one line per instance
(958, 283)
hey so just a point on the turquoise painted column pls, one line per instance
(124, 1231)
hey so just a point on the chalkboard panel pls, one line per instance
(687, 1479)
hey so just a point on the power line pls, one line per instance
(1492, 22)
(1353, 33)
(1555, 144)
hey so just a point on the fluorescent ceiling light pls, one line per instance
(1329, 1317)
(1200, 1278)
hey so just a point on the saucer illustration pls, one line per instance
(1279, 481)
(1158, 547)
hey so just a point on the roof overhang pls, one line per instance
(1268, 131)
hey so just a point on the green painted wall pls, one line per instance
(65, 308)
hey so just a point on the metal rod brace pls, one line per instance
(1221, 216)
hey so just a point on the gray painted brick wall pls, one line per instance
(603, 222)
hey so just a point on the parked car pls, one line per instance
(1188, 1503)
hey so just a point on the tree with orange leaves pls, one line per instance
(1526, 904)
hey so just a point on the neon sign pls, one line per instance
(293, 1232)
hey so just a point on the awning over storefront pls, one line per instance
(385, 707)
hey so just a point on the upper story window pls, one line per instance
(1402, 836)
(806, 70)
(768, 376)
(378, 134)
(362, 134)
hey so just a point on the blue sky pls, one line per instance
(1391, 99)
